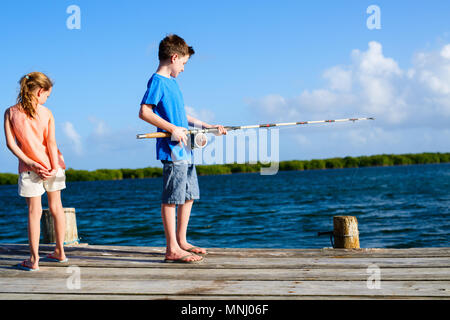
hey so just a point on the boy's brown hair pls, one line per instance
(173, 44)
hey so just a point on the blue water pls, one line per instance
(396, 207)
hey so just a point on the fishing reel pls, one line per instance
(198, 140)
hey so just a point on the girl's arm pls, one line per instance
(51, 145)
(14, 148)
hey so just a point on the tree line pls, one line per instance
(290, 165)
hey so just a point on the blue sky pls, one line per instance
(255, 62)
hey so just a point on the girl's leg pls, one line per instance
(184, 212)
(173, 250)
(59, 218)
(34, 229)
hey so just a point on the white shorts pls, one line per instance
(31, 185)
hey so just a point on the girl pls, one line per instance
(30, 135)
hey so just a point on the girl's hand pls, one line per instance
(42, 172)
(45, 175)
(52, 173)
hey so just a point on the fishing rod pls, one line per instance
(199, 139)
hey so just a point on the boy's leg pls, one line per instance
(173, 250)
(168, 218)
(59, 217)
(184, 212)
(34, 229)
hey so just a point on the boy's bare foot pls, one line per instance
(193, 249)
(179, 254)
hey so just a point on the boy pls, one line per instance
(163, 107)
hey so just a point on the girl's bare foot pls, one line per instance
(57, 255)
(31, 265)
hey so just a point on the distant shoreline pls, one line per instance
(218, 169)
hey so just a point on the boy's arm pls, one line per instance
(178, 133)
(194, 122)
(14, 148)
(201, 124)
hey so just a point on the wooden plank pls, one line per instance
(95, 250)
(92, 273)
(232, 288)
(233, 263)
(245, 252)
(55, 296)
(139, 273)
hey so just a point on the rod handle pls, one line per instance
(153, 135)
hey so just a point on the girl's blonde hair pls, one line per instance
(28, 84)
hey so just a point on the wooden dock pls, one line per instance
(123, 272)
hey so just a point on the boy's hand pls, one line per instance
(179, 134)
(221, 130)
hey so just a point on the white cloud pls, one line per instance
(302, 140)
(106, 140)
(100, 127)
(433, 71)
(106, 146)
(373, 85)
(203, 114)
(411, 106)
(373, 63)
(375, 77)
(339, 78)
(73, 136)
(445, 52)
(317, 99)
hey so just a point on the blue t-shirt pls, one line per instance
(165, 94)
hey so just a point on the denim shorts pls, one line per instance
(179, 182)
